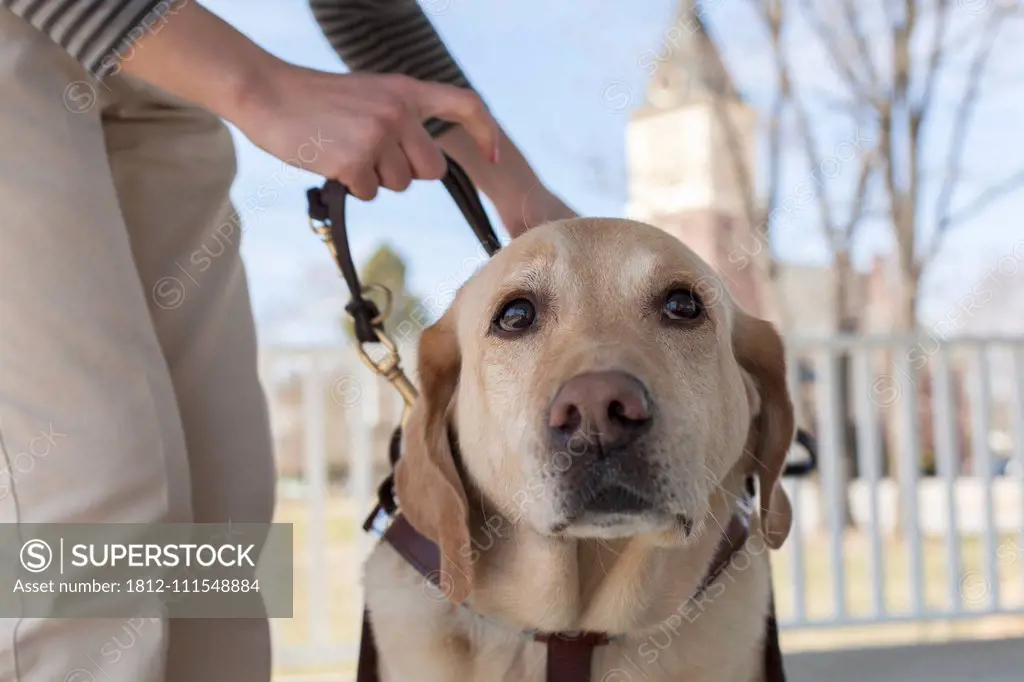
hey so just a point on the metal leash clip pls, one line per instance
(390, 367)
(327, 220)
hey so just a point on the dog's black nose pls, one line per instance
(599, 408)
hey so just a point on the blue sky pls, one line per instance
(543, 68)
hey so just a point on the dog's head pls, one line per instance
(602, 383)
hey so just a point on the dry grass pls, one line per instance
(344, 598)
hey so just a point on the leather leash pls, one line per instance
(327, 205)
(569, 655)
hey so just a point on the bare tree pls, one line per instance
(886, 82)
(759, 208)
(839, 213)
(897, 85)
(890, 59)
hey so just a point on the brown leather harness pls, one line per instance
(569, 655)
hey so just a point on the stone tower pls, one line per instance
(682, 147)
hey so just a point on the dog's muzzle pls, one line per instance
(598, 420)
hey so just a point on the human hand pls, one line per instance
(369, 126)
(366, 129)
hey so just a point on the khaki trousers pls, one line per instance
(128, 382)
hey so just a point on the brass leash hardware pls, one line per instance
(321, 229)
(389, 366)
(327, 219)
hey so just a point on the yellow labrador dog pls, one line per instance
(591, 406)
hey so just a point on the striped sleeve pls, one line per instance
(94, 32)
(389, 36)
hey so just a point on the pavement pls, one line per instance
(1000, 660)
(959, 661)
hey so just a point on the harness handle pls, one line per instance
(327, 206)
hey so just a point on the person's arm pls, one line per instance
(364, 130)
(93, 33)
(395, 36)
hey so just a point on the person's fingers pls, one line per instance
(362, 182)
(458, 105)
(424, 154)
(393, 169)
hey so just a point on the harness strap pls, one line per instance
(774, 670)
(367, 669)
(569, 655)
(733, 539)
(420, 552)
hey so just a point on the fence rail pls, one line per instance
(917, 512)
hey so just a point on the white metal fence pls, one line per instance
(942, 539)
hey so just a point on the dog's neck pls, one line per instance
(611, 586)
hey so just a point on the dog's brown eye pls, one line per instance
(682, 304)
(516, 316)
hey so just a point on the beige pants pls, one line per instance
(128, 384)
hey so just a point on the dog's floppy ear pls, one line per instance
(758, 348)
(427, 483)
